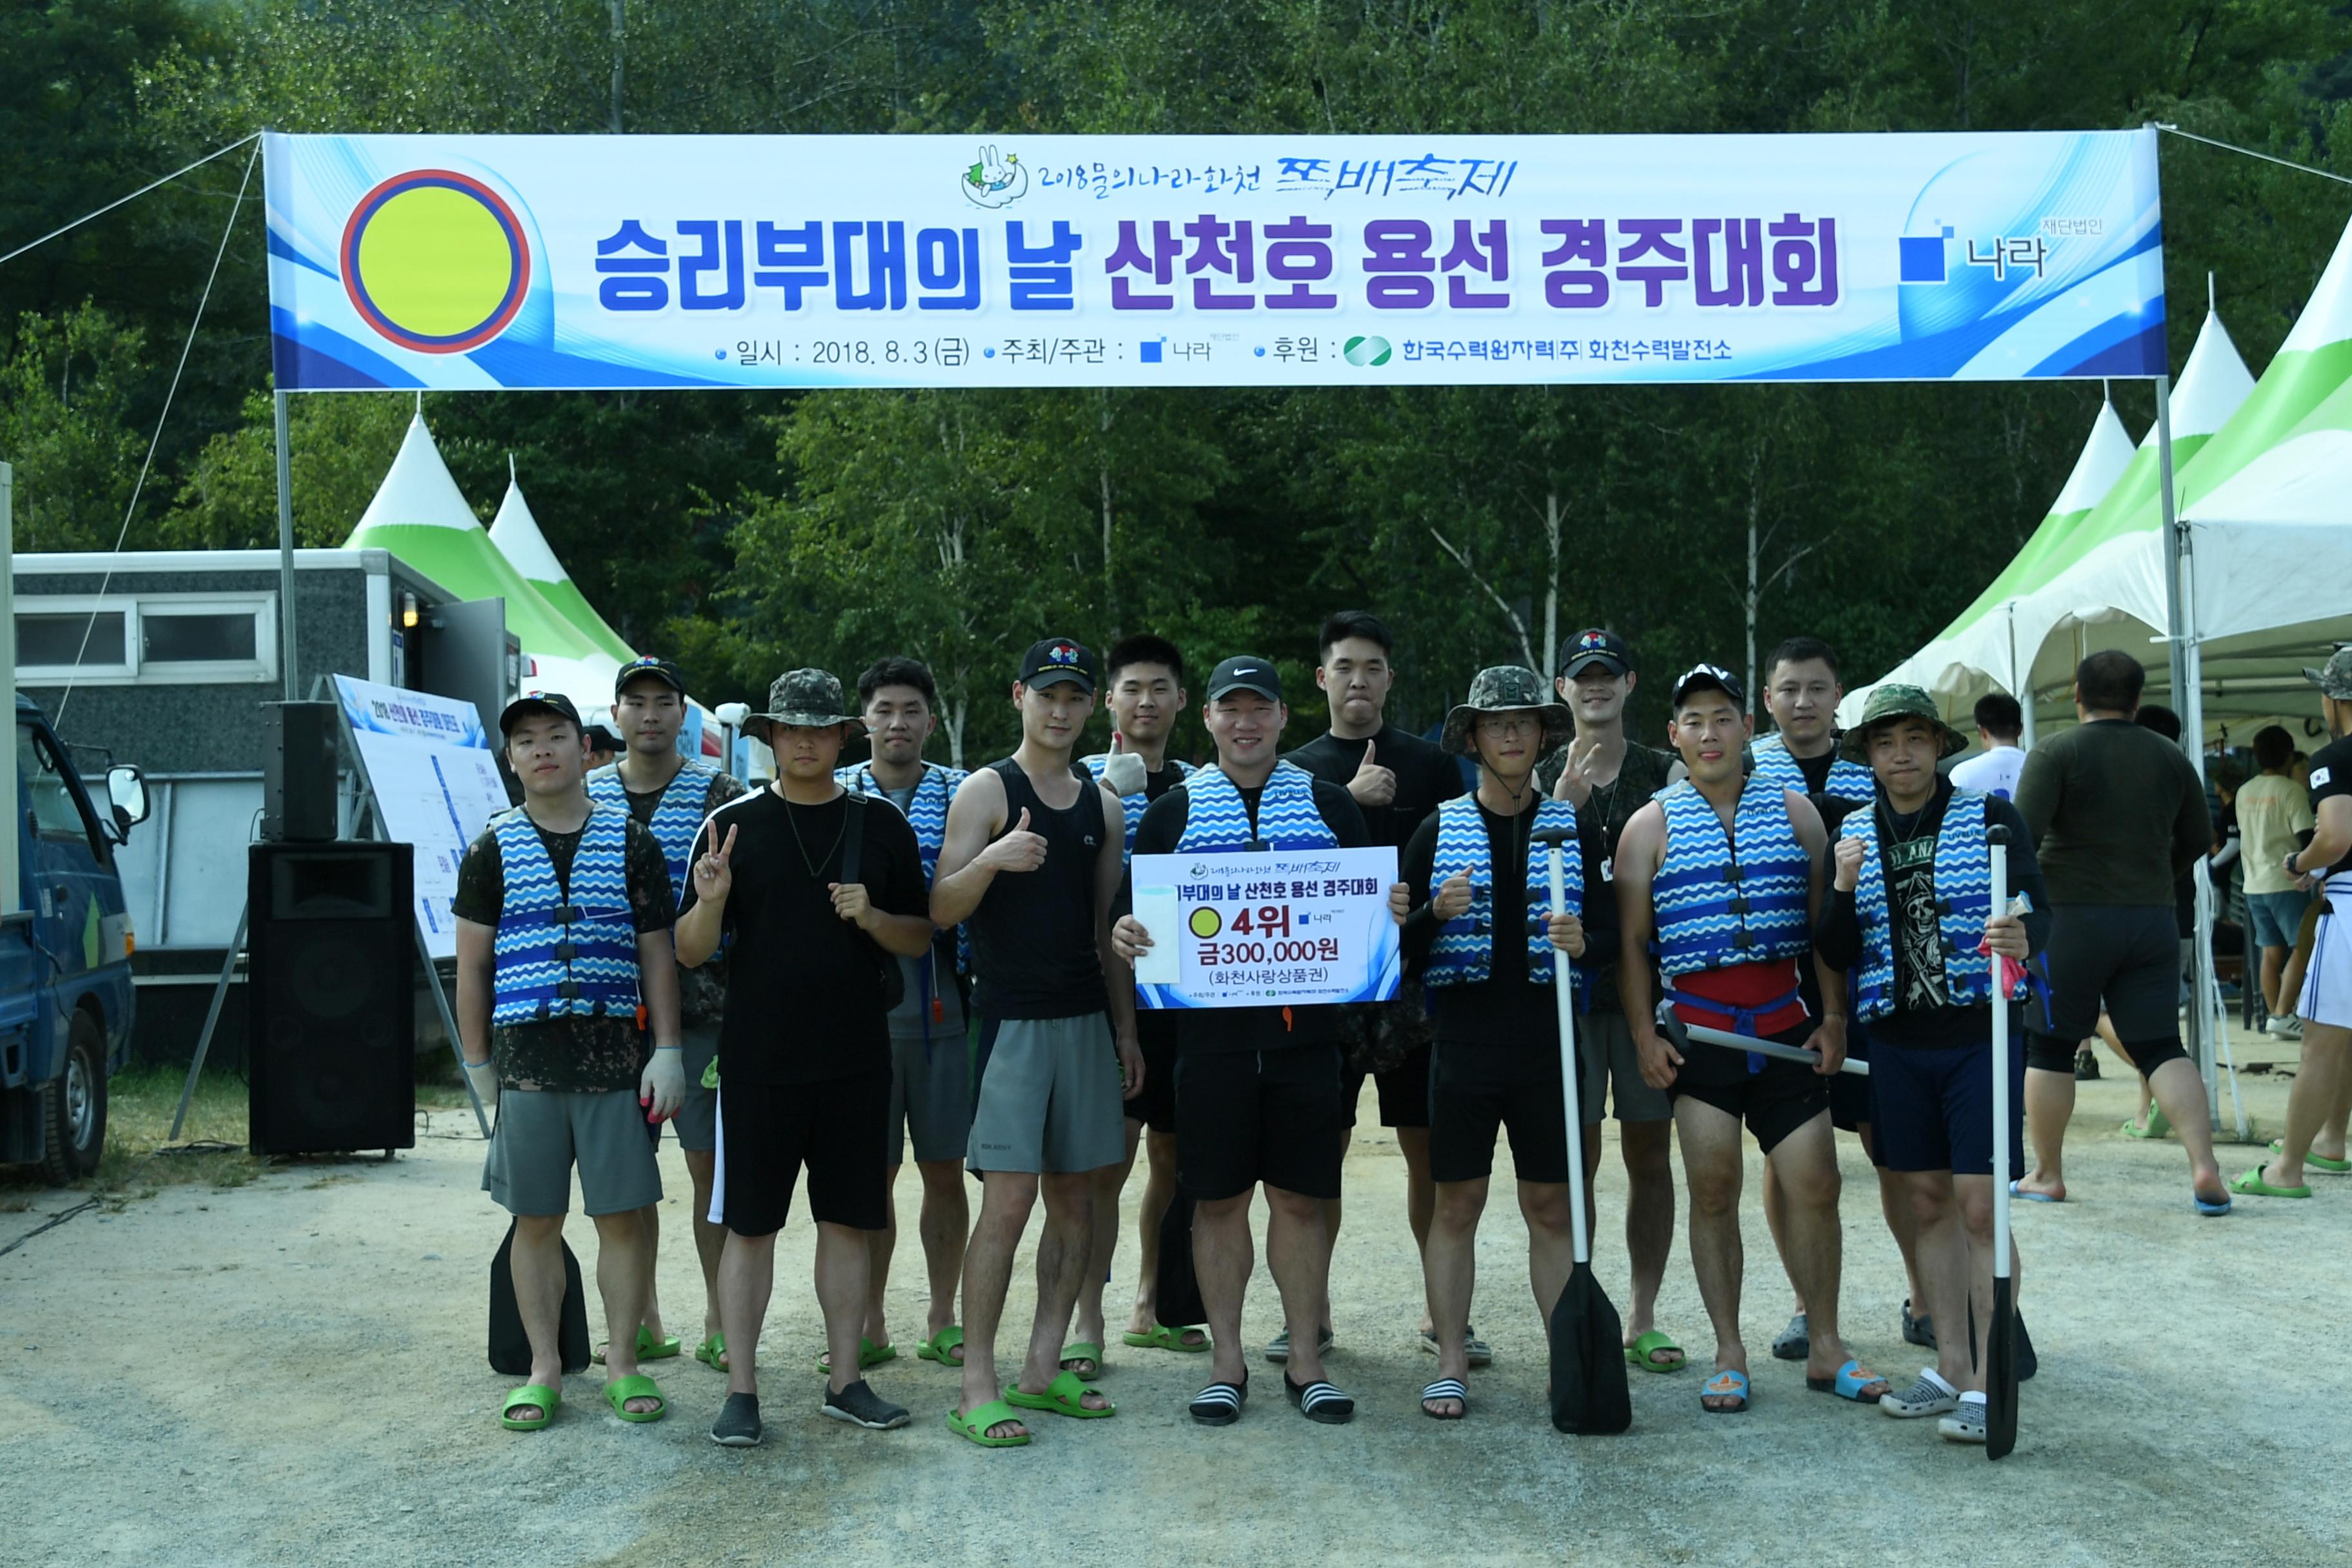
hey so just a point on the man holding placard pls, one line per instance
(1726, 877)
(1481, 937)
(669, 795)
(1257, 1086)
(563, 912)
(1033, 861)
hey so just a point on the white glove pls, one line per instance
(662, 1088)
(1124, 772)
(484, 1077)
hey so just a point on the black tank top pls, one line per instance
(1033, 936)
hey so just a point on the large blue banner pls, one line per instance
(489, 262)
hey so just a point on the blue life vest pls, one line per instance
(1719, 902)
(678, 818)
(560, 956)
(1963, 884)
(1848, 779)
(1132, 807)
(1216, 820)
(927, 813)
(1463, 953)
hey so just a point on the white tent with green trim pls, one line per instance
(420, 515)
(517, 534)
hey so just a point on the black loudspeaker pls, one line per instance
(331, 997)
(297, 771)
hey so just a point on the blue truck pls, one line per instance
(66, 1002)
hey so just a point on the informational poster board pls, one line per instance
(436, 780)
(461, 262)
(1305, 928)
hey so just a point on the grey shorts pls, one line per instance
(542, 1133)
(930, 1097)
(697, 1120)
(1047, 1097)
(1604, 1048)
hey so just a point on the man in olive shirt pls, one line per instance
(2117, 814)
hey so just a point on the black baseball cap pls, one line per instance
(1587, 649)
(601, 739)
(1246, 672)
(659, 669)
(1702, 676)
(538, 702)
(1058, 661)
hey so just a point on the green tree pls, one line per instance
(65, 399)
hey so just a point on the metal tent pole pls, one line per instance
(2182, 653)
(285, 639)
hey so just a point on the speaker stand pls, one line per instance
(448, 1029)
(212, 1020)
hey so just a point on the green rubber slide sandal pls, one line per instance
(619, 1391)
(648, 1347)
(1083, 1350)
(2252, 1185)
(1643, 1349)
(1161, 1337)
(868, 1354)
(2316, 1161)
(1066, 1395)
(546, 1399)
(939, 1346)
(976, 1426)
(712, 1352)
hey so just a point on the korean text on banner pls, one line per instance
(1302, 927)
(436, 785)
(491, 262)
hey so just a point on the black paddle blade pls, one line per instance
(2000, 1373)
(1178, 1287)
(1588, 1394)
(509, 1344)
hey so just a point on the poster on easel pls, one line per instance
(436, 780)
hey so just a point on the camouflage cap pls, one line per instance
(1897, 700)
(1505, 688)
(2334, 678)
(807, 699)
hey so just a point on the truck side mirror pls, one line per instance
(126, 791)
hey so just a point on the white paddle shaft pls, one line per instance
(2000, 1078)
(1565, 999)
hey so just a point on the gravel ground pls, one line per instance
(292, 1372)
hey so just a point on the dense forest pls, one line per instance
(745, 533)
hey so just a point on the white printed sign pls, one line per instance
(1301, 926)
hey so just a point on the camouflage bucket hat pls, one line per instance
(1505, 688)
(1899, 701)
(807, 699)
(2334, 678)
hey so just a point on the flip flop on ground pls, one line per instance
(619, 1391)
(1082, 1350)
(648, 1347)
(1726, 1384)
(2020, 1194)
(536, 1397)
(2314, 1159)
(1444, 1390)
(941, 1347)
(1854, 1381)
(1646, 1348)
(1163, 1337)
(1319, 1401)
(2252, 1185)
(976, 1426)
(1219, 1404)
(868, 1354)
(1066, 1395)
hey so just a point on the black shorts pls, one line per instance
(1403, 1089)
(1850, 1101)
(1474, 1090)
(1155, 1033)
(838, 1129)
(1935, 1108)
(1245, 1117)
(2124, 958)
(1774, 1100)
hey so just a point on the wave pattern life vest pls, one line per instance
(1216, 820)
(565, 956)
(1463, 953)
(1963, 886)
(1848, 779)
(676, 820)
(927, 813)
(1132, 807)
(1716, 910)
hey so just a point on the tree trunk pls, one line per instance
(1551, 587)
(618, 5)
(1102, 469)
(1754, 594)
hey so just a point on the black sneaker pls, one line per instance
(738, 1425)
(861, 1407)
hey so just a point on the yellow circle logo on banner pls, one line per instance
(435, 261)
(1206, 922)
